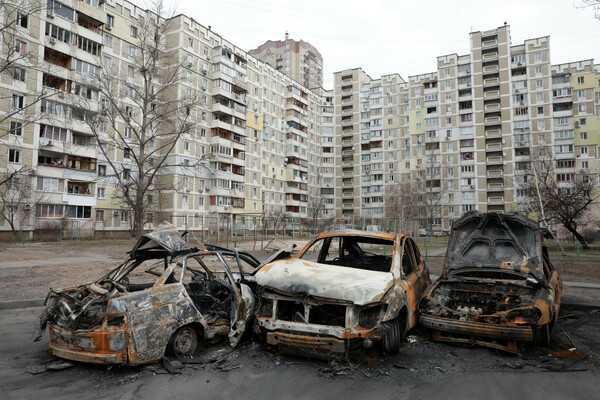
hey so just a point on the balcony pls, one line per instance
(493, 120)
(492, 94)
(495, 173)
(490, 68)
(496, 199)
(493, 146)
(489, 43)
(494, 160)
(492, 107)
(495, 186)
(490, 56)
(491, 81)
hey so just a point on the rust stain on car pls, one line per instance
(342, 289)
(165, 297)
(498, 286)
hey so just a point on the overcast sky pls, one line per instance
(396, 36)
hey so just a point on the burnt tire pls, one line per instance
(543, 336)
(392, 336)
(183, 342)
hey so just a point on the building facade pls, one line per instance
(467, 136)
(295, 58)
(261, 144)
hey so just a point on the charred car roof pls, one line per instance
(164, 241)
(507, 241)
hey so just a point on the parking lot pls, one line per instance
(423, 369)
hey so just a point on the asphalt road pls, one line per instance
(423, 370)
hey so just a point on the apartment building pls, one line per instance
(466, 135)
(295, 58)
(251, 131)
(258, 143)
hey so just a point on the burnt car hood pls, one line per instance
(495, 241)
(295, 276)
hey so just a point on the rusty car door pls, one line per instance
(416, 277)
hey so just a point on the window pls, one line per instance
(19, 74)
(130, 71)
(583, 135)
(127, 132)
(538, 56)
(99, 215)
(132, 31)
(538, 69)
(54, 133)
(16, 128)
(186, 146)
(18, 101)
(540, 110)
(131, 51)
(107, 62)
(14, 156)
(110, 21)
(580, 80)
(101, 193)
(20, 47)
(581, 108)
(582, 121)
(126, 153)
(539, 83)
(22, 20)
(101, 170)
(124, 217)
(126, 173)
(49, 210)
(108, 41)
(584, 150)
(190, 42)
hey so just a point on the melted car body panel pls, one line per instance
(114, 321)
(341, 287)
(498, 286)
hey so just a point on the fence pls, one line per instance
(228, 229)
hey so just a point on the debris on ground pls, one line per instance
(338, 369)
(53, 365)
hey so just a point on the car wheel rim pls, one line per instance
(185, 342)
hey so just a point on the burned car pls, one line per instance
(343, 289)
(498, 287)
(165, 297)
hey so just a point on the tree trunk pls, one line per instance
(577, 235)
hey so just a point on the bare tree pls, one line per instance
(142, 116)
(564, 198)
(431, 194)
(278, 219)
(401, 204)
(17, 202)
(315, 210)
(593, 4)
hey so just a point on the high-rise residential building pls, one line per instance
(261, 144)
(297, 59)
(467, 134)
(251, 143)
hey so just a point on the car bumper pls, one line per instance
(490, 331)
(328, 344)
(90, 346)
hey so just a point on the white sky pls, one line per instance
(396, 36)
